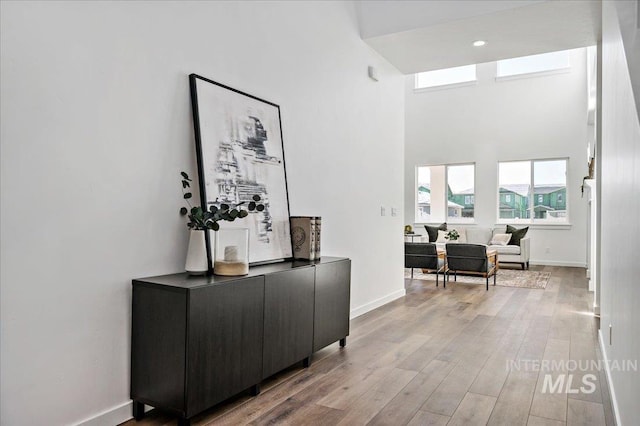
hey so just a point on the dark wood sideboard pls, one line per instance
(196, 341)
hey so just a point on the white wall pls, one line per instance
(96, 125)
(619, 266)
(491, 121)
(628, 12)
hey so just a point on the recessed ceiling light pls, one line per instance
(479, 43)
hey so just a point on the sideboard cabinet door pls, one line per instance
(225, 329)
(158, 338)
(288, 318)
(332, 300)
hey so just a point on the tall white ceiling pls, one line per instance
(426, 35)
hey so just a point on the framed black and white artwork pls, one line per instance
(240, 153)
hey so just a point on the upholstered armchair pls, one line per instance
(470, 258)
(423, 256)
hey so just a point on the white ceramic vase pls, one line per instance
(196, 263)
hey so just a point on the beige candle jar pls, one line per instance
(231, 252)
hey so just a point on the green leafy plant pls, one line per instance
(452, 235)
(200, 219)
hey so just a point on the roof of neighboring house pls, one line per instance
(542, 207)
(522, 189)
(548, 189)
(504, 206)
(468, 191)
(425, 198)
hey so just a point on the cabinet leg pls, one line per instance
(306, 362)
(255, 390)
(184, 422)
(138, 410)
(343, 342)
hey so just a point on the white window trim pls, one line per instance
(553, 226)
(472, 82)
(444, 87)
(532, 74)
(537, 223)
(447, 219)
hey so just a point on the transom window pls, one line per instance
(533, 64)
(445, 193)
(445, 77)
(532, 191)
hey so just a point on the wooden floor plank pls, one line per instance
(424, 418)
(446, 398)
(512, 407)
(402, 408)
(369, 404)
(372, 374)
(474, 409)
(541, 421)
(584, 413)
(552, 405)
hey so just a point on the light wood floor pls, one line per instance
(439, 357)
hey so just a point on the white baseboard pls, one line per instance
(558, 263)
(113, 416)
(377, 303)
(612, 393)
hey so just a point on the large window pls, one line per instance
(445, 77)
(445, 193)
(532, 191)
(533, 64)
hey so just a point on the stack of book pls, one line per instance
(305, 237)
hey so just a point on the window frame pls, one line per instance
(447, 219)
(531, 74)
(532, 220)
(417, 89)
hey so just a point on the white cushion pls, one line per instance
(441, 237)
(505, 249)
(479, 235)
(500, 239)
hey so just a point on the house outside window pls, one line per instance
(445, 193)
(533, 191)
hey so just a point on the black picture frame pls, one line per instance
(240, 152)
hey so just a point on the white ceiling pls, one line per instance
(426, 35)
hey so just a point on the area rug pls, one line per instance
(505, 278)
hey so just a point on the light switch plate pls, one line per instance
(383, 211)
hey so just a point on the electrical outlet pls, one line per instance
(383, 211)
(547, 250)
